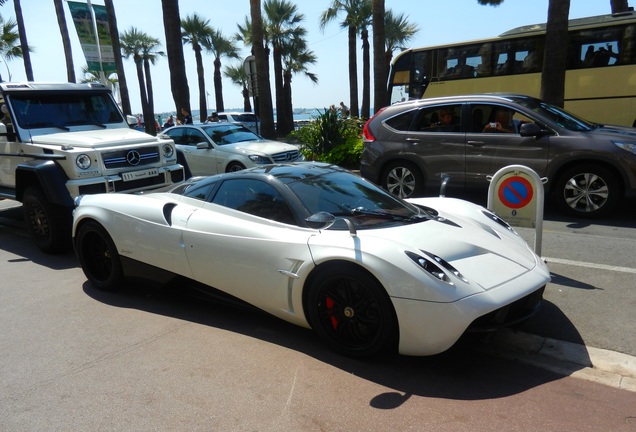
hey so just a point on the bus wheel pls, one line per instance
(587, 191)
(403, 180)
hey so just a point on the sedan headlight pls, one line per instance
(628, 146)
(260, 160)
(168, 150)
(83, 161)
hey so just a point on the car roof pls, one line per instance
(477, 97)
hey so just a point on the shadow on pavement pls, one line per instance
(461, 373)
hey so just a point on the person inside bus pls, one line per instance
(502, 122)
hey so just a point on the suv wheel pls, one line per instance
(403, 180)
(48, 224)
(587, 191)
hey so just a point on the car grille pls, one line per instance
(509, 315)
(288, 156)
(131, 157)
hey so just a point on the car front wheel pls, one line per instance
(403, 180)
(349, 310)
(98, 256)
(49, 224)
(235, 166)
(587, 191)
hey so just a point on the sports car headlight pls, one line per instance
(168, 150)
(435, 266)
(83, 161)
(628, 146)
(260, 160)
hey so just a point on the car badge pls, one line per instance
(133, 157)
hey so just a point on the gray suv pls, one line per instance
(410, 146)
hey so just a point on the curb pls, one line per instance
(565, 358)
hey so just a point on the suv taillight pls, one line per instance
(367, 136)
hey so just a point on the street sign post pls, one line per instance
(516, 195)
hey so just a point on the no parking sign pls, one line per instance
(516, 195)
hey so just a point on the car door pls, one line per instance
(491, 144)
(435, 139)
(198, 150)
(253, 258)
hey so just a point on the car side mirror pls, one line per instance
(532, 129)
(203, 145)
(320, 220)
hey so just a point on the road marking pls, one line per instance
(591, 265)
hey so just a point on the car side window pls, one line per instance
(194, 137)
(444, 118)
(402, 122)
(497, 119)
(254, 197)
(176, 135)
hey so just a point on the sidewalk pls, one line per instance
(565, 358)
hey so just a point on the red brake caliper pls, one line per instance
(330, 304)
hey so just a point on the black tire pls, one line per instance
(587, 191)
(349, 310)
(235, 166)
(98, 256)
(48, 224)
(403, 179)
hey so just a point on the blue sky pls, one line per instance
(439, 21)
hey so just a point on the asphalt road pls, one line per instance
(73, 358)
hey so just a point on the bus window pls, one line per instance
(595, 48)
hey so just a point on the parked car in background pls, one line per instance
(410, 145)
(247, 119)
(322, 248)
(213, 148)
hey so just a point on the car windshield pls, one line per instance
(60, 110)
(344, 194)
(229, 134)
(558, 115)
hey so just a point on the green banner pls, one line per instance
(85, 31)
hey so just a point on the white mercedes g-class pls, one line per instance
(59, 141)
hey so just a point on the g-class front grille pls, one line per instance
(288, 156)
(131, 157)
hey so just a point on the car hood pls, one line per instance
(614, 132)
(96, 138)
(262, 146)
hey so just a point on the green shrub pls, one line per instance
(332, 138)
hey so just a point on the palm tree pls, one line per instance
(296, 58)
(9, 47)
(174, 48)
(364, 22)
(119, 64)
(150, 54)
(619, 6)
(237, 75)
(66, 41)
(28, 68)
(264, 98)
(380, 72)
(398, 31)
(197, 32)
(354, 15)
(282, 25)
(93, 76)
(220, 46)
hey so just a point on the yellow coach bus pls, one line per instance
(600, 82)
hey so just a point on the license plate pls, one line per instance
(136, 175)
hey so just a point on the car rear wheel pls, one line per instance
(98, 256)
(403, 180)
(49, 224)
(587, 191)
(351, 312)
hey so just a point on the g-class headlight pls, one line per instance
(83, 161)
(168, 150)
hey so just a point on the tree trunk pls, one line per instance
(119, 64)
(286, 121)
(380, 70)
(218, 85)
(265, 109)
(353, 73)
(555, 54)
(619, 6)
(174, 49)
(151, 127)
(26, 56)
(366, 75)
(66, 41)
(203, 104)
